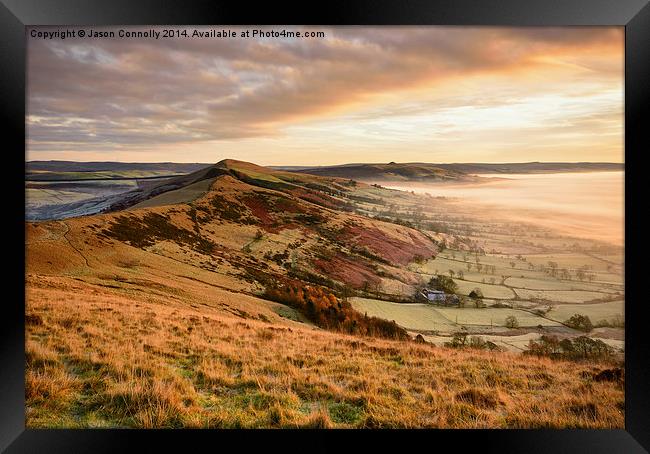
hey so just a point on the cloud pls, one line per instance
(122, 92)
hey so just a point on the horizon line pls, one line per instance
(329, 165)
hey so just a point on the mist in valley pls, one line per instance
(581, 205)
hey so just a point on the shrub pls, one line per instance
(458, 340)
(512, 322)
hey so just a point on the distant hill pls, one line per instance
(447, 172)
(386, 172)
(73, 166)
(533, 167)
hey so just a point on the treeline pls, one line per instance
(582, 347)
(325, 310)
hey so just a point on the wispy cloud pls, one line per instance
(137, 96)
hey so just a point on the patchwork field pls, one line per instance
(428, 317)
(597, 312)
(529, 268)
(419, 317)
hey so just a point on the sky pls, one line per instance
(360, 94)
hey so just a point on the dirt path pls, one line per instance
(65, 235)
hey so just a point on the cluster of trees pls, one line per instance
(552, 269)
(444, 283)
(614, 322)
(580, 322)
(476, 295)
(582, 347)
(324, 309)
(460, 339)
(481, 268)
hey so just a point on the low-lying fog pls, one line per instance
(585, 205)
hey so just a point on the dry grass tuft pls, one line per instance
(477, 398)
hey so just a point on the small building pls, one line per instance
(439, 297)
(434, 296)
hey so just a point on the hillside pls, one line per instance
(425, 172)
(235, 213)
(533, 167)
(389, 172)
(220, 299)
(36, 167)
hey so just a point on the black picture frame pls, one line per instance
(634, 15)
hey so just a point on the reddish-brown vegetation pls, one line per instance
(324, 308)
(392, 249)
(349, 270)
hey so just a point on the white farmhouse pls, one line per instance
(435, 296)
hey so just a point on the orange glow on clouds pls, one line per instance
(426, 94)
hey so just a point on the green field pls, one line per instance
(595, 312)
(183, 195)
(556, 284)
(492, 316)
(38, 197)
(560, 296)
(411, 316)
(434, 318)
(489, 291)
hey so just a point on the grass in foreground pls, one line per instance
(105, 361)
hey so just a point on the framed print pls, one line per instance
(374, 224)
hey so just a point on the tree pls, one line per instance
(346, 292)
(451, 273)
(580, 322)
(565, 274)
(512, 322)
(444, 283)
(476, 294)
(377, 288)
(458, 340)
(461, 274)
